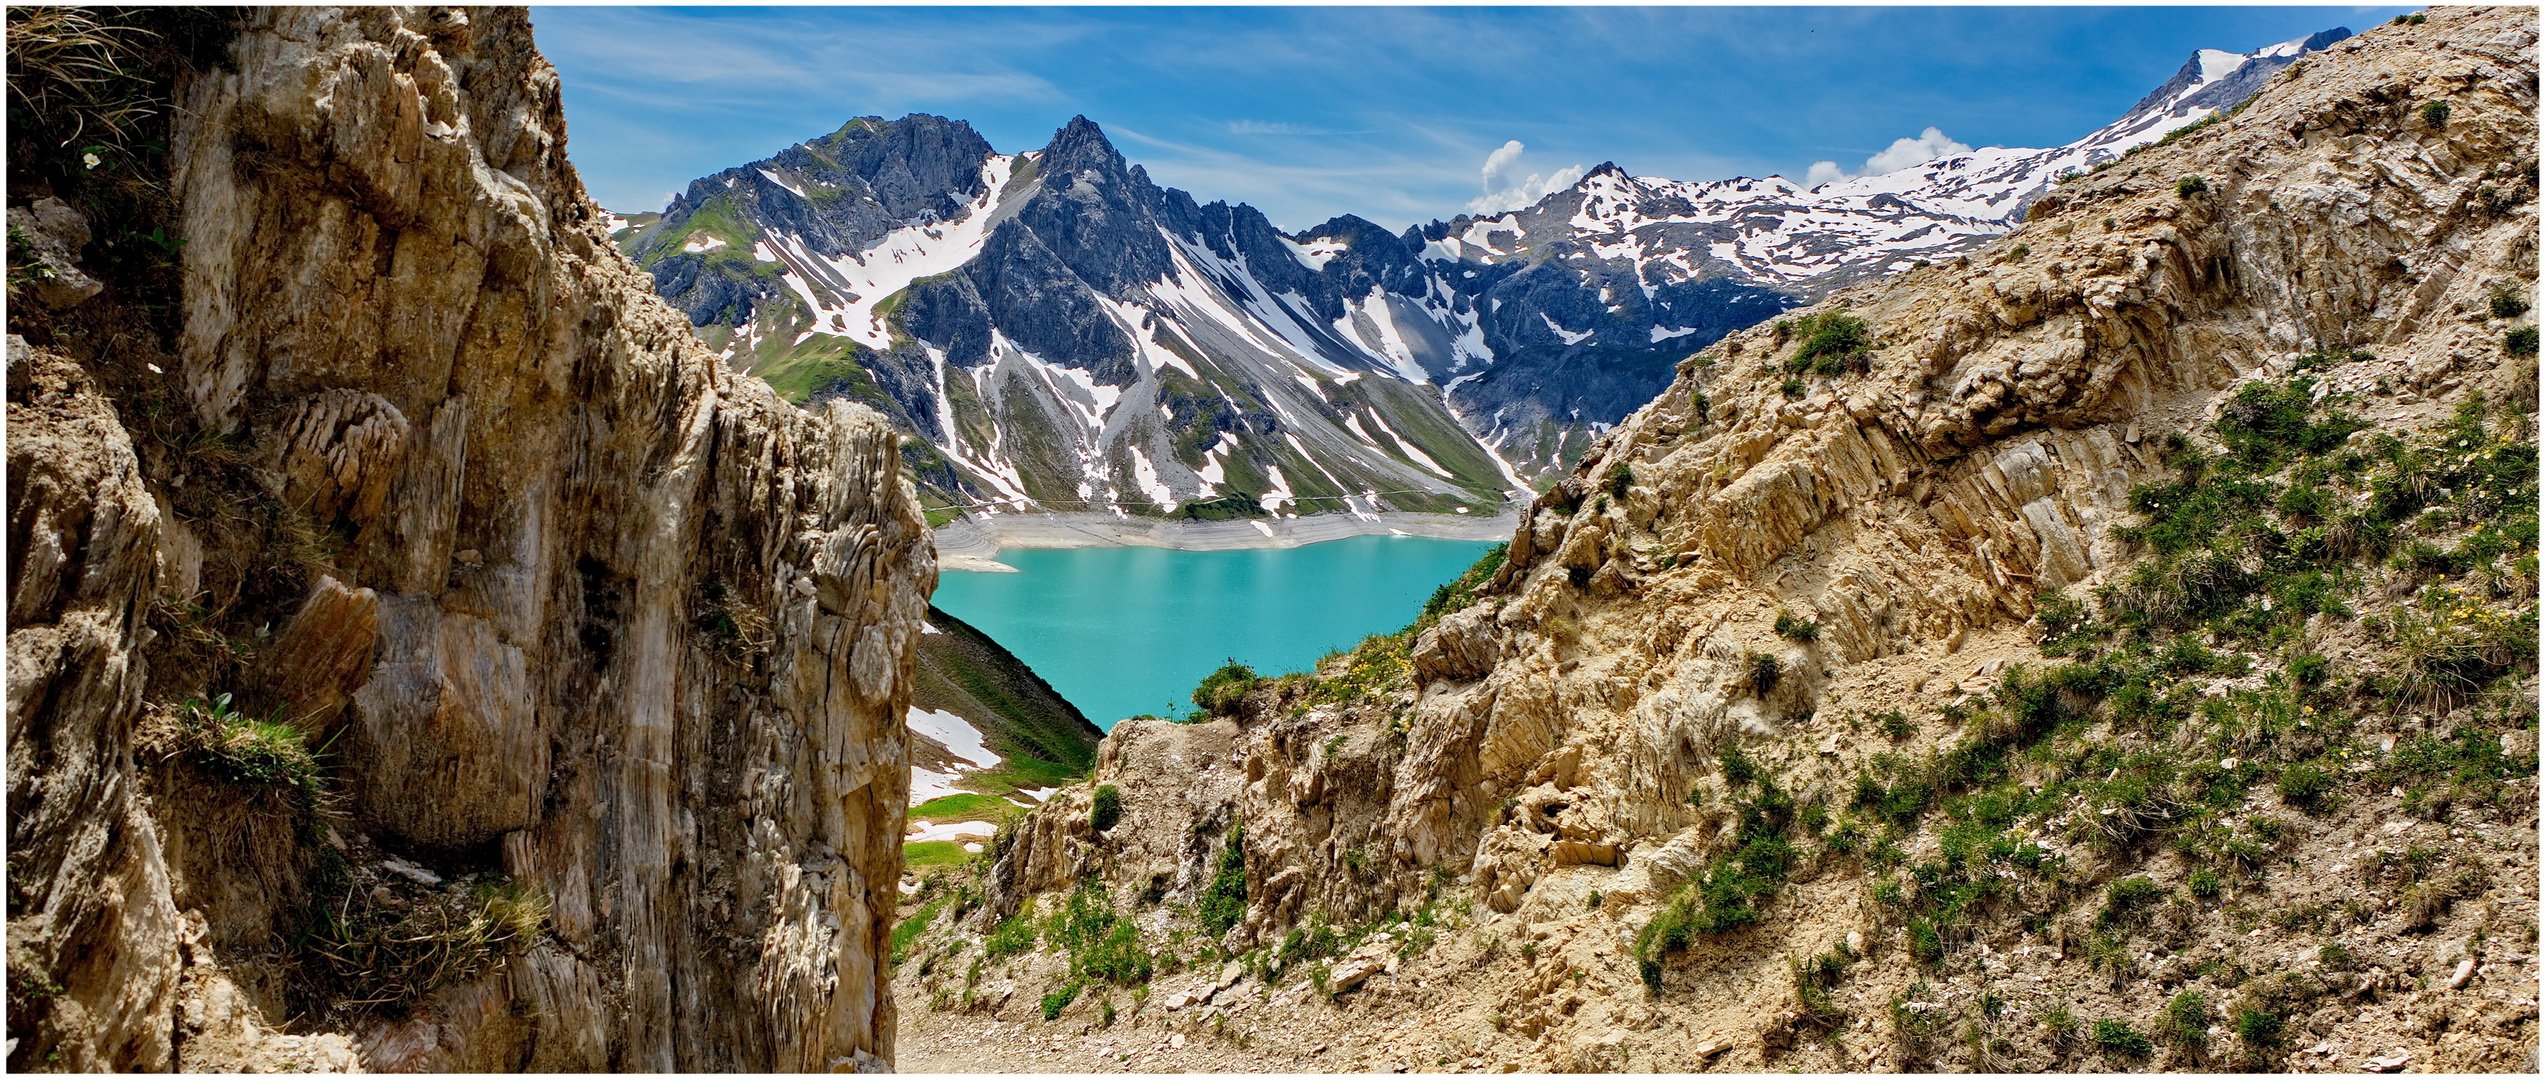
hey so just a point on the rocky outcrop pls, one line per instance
(462, 498)
(92, 931)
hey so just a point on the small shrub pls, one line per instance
(2190, 186)
(2258, 1027)
(1219, 693)
(2018, 253)
(2061, 1023)
(1793, 387)
(2205, 884)
(2128, 900)
(1794, 627)
(2520, 343)
(1894, 725)
(1764, 672)
(1059, 999)
(1621, 476)
(1105, 809)
(2507, 302)
(1008, 938)
(2119, 1039)
(1813, 980)
(2435, 115)
(2184, 1021)
(2060, 614)
(1834, 342)
(1738, 767)
(2305, 785)
(1223, 904)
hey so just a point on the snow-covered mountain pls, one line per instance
(1064, 334)
(1632, 245)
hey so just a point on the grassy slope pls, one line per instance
(1044, 739)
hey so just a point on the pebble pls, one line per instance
(2465, 974)
(1175, 1041)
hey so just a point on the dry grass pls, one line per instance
(83, 75)
(377, 955)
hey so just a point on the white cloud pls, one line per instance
(1507, 188)
(1929, 145)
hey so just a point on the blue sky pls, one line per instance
(1391, 113)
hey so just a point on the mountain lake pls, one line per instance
(1121, 631)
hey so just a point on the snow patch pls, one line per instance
(947, 830)
(1570, 338)
(954, 733)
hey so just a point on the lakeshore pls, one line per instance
(974, 543)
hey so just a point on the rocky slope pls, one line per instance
(423, 654)
(2112, 649)
(1068, 335)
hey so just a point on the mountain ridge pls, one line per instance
(1041, 334)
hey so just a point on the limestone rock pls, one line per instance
(400, 303)
(90, 912)
(52, 234)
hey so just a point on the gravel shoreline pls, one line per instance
(974, 543)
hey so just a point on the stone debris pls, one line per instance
(412, 872)
(2464, 974)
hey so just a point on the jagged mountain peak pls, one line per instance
(1165, 341)
(1079, 146)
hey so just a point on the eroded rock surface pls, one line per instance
(521, 504)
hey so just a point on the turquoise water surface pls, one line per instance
(1121, 631)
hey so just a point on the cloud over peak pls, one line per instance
(1929, 145)
(1507, 187)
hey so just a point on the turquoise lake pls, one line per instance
(1121, 631)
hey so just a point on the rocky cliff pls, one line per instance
(2113, 648)
(423, 654)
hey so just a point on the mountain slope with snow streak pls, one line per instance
(1061, 333)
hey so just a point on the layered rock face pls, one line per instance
(1775, 545)
(526, 511)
